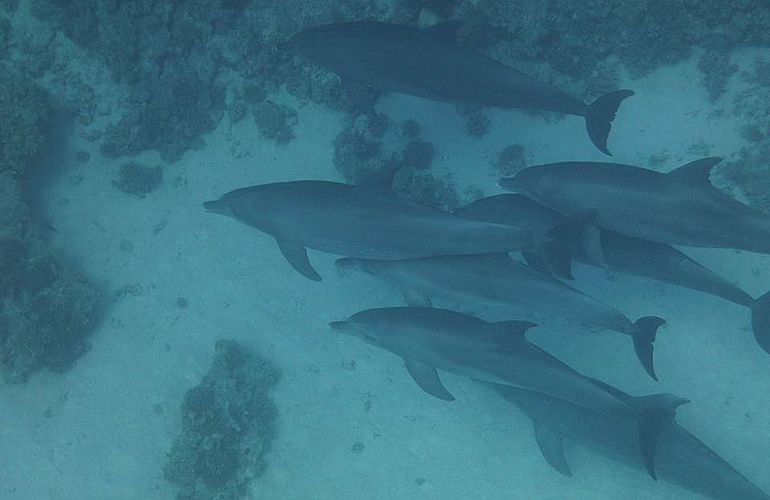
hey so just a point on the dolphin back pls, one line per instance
(680, 458)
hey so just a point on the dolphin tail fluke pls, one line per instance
(654, 410)
(599, 116)
(760, 321)
(644, 338)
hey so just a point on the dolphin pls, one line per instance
(680, 458)
(428, 339)
(681, 207)
(429, 63)
(359, 221)
(624, 254)
(497, 281)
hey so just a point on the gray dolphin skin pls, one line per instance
(681, 207)
(361, 222)
(649, 259)
(428, 339)
(680, 458)
(497, 281)
(428, 63)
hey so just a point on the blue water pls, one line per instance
(173, 280)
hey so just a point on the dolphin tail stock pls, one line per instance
(599, 116)
(760, 321)
(653, 411)
(644, 338)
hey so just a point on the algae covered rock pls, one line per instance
(47, 310)
(47, 307)
(23, 112)
(228, 424)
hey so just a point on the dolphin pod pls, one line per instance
(429, 63)
(431, 338)
(611, 215)
(680, 207)
(625, 254)
(680, 458)
(497, 281)
(360, 221)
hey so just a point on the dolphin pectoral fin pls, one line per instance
(760, 321)
(591, 245)
(644, 337)
(695, 173)
(558, 259)
(552, 448)
(536, 260)
(427, 378)
(296, 254)
(416, 299)
(599, 116)
(654, 411)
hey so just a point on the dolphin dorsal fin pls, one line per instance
(514, 327)
(510, 334)
(381, 180)
(552, 448)
(694, 173)
(654, 410)
(446, 31)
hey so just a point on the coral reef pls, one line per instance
(172, 55)
(140, 180)
(275, 121)
(748, 172)
(476, 121)
(643, 35)
(418, 154)
(510, 160)
(47, 307)
(46, 311)
(228, 424)
(21, 126)
(369, 145)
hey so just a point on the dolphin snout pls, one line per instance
(508, 183)
(217, 206)
(339, 326)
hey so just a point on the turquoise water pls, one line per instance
(172, 280)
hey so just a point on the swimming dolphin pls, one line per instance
(497, 281)
(428, 63)
(649, 259)
(679, 208)
(428, 339)
(680, 458)
(359, 221)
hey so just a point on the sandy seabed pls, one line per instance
(102, 430)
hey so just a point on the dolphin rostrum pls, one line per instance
(681, 207)
(428, 339)
(361, 222)
(497, 281)
(649, 259)
(680, 458)
(429, 63)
